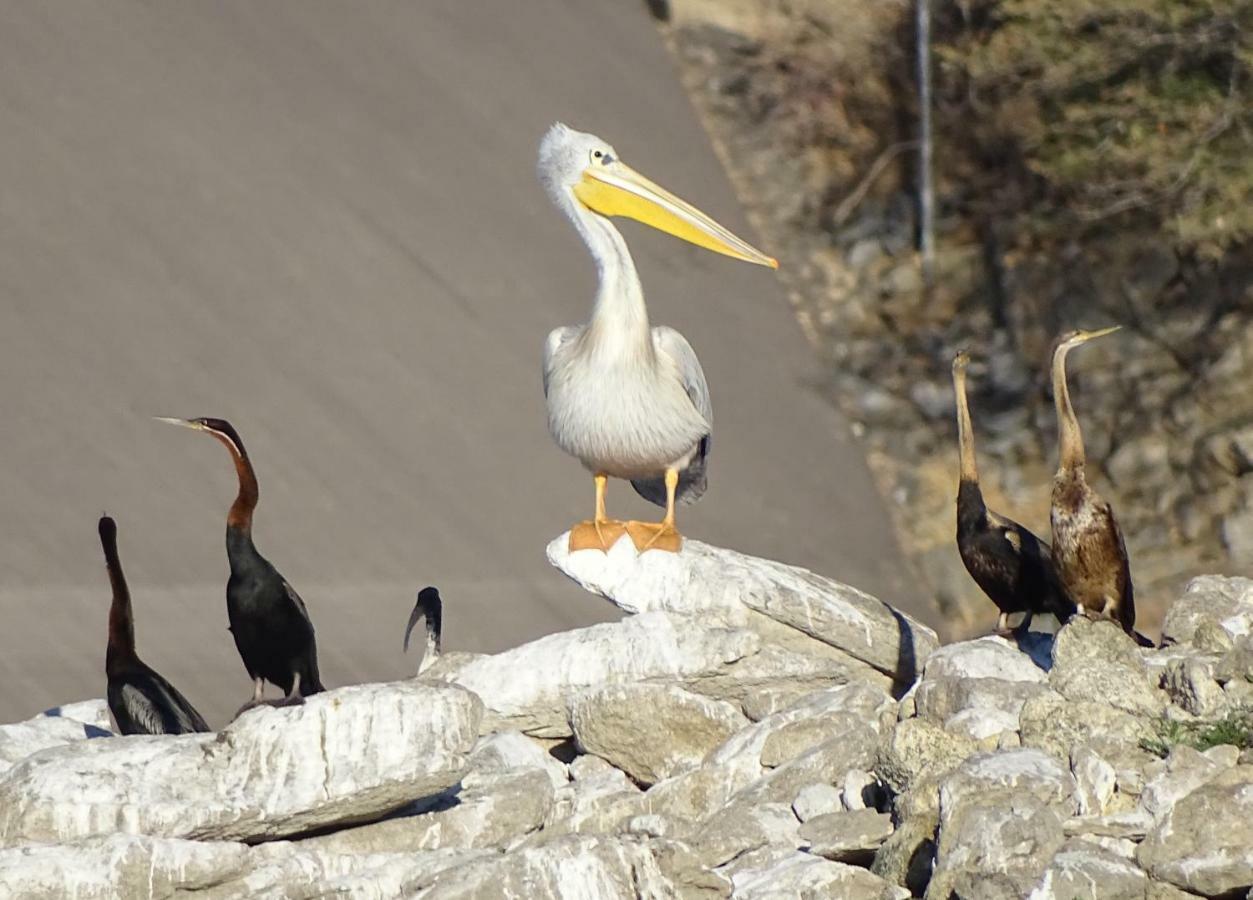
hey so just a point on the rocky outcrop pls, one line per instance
(344, 756)
(621, 762)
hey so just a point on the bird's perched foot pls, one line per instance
(655, 536)
(596, 534)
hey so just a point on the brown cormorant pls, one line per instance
(268, 620)
(1088, 547)
(141, 701)
(430, 607)
(1009, 563)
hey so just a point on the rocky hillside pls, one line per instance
(1090, 170)
(750, 730)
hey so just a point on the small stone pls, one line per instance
(857, 788)
(919, 749)
(1094, 780)
(849, 836)
(816, 800)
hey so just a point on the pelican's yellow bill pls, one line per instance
(618, 190)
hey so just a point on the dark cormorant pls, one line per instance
(268, 619)
(141, 701)
(1088, 547)
(1009, 563)
(431, 608)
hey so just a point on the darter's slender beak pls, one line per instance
(615, 189)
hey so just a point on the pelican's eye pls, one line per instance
(602, 157)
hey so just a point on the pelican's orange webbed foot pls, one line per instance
(655, 536)
(596, 534)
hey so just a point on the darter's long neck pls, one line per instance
(619, 322)
(1070, 438)
(965, 430)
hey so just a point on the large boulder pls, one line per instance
(344, 756)
(583, 866)
(1001, 821)
(1098, 662)
(1204, 842)
(20, 739)
(650, 731)
(1209, 601)
(800, 876)
(713, 583)
(528, 688)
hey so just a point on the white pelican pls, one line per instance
(627, 400)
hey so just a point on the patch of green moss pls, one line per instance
(1235, 729)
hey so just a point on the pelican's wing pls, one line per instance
(692, 480)
(556, 338)
(675, 345)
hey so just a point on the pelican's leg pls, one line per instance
(659, 535)
(598, 533)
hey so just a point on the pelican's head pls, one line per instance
(581, 168)
(219, 428)
(960, 362)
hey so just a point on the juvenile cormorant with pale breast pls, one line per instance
(268, 620)
(1009, 563)
(626, 399)
(140, 700)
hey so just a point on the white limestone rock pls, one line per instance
(1001, 818)
(740, 828)
(1094, 781)
(528, 687)
(597, 801)
(582, 867)
(817, 800)
(801, 876)
(919, 749)
(89, 712)
(1213, 600)
(985, 657)
(348, 755)
(488, 810)
(737, 763)
(713, 583)
(293, 872)
(119, 865)
(1081, 871)
(20, 739)
(1184, 771)
(513, 751)
(650, 731)
(848, 837)
(1204, 843)
(1098, 662)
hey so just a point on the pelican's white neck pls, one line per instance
(619, 319)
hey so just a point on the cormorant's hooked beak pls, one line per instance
(615, 189)
(186, 423)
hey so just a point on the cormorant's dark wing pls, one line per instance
(298, 603)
